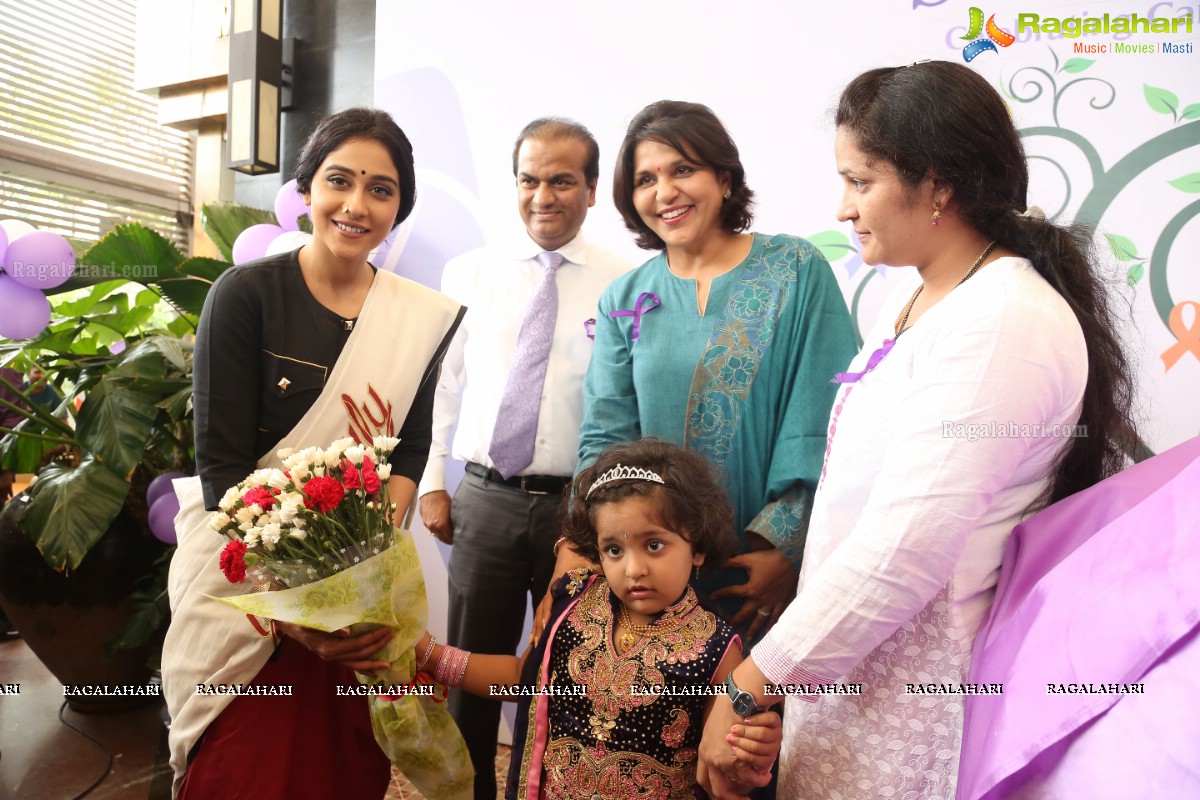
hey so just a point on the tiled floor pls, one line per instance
(43, 759)
(403, 790)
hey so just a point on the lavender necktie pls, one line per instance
(516, 422)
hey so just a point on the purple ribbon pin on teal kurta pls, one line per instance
(872, 363)
(646, 302)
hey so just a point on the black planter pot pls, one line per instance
(66, 620)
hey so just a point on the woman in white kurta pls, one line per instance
(957, 418)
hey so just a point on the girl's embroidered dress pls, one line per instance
(633, 729)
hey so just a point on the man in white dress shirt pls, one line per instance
(503, 521)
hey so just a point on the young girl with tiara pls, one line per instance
(612, 699)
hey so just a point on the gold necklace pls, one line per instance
(901, 328)
(665, 624)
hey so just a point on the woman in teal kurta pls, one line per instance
(724, 343)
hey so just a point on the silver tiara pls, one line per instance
(620, 473)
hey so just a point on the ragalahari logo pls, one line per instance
(995, 36)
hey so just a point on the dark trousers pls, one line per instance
(503, 552)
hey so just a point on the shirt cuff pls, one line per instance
(781, 668)
(434, 479)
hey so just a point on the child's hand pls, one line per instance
(756, 742)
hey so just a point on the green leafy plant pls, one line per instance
(119, 348)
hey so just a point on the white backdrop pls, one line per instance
(1113, 138)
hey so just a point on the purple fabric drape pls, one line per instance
(1101, 588)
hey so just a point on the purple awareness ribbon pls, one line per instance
(872, 363)
(589, 328)
(638, 311)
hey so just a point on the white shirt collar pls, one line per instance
(574, 251)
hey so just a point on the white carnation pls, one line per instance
(384, 444)
(356, 454)
(246, 515)
(285, 452)
(277, 480)
(229, 500)
(271, 534)
(384, 471)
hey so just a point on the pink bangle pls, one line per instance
(559, 544)
(451, 667)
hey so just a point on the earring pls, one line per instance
(937, 216)
(728, 194)
(697, 572)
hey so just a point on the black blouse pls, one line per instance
(264, 349)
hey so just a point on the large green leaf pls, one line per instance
(23, 453)
(150, 357)
(224, 221)
(71, 509)
(115, 421)
(131, 252)
(177, 404)
(196, 276)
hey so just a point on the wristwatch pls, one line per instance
(743, 702)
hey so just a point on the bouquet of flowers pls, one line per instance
(322, 527)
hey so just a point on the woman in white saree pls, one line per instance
(297, 350)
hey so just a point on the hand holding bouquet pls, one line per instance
(322, 527)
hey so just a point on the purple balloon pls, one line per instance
(252, 243)
(161, 486)
(26, 311)
(39, 260)
(289, 206)
(162, 518)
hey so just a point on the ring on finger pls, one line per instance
(762, 612)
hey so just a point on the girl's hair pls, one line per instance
(689, 501)
(335, 130)
(942, 120)
(696, 133)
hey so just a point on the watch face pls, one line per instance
(743, 702)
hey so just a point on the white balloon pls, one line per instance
(15, 228)
(287, 242)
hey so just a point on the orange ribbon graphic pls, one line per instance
(1187, 338)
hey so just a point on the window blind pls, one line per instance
(80, 150)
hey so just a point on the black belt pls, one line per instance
(533, 484)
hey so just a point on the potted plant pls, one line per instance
(80, 571)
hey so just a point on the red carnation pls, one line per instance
(261, 496)
(370, 477)
(323, 494)
(233, 561)
(350, 475)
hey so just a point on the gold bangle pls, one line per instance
(559, 544)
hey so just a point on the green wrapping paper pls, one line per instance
(413, 729)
